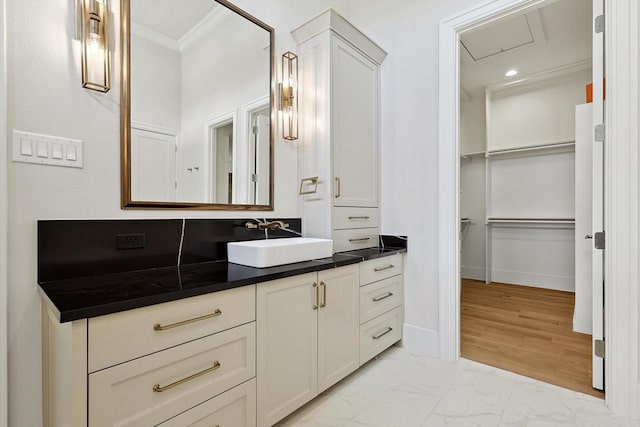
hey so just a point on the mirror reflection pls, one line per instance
(200, 86)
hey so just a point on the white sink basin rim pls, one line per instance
(273, 252)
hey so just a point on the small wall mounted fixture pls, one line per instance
(288, 96)
(94, 38)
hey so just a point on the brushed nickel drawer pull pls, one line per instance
(317, 295)
(380, 335)
(338, 190)
(362, 239)
(159, 327)
(380, 298)
(158, 389)
(359, 217)
(324, 294)
(383, 268)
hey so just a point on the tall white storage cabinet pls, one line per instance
(340, 112)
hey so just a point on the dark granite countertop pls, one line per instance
(85, 297)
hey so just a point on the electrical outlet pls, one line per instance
(130, 241)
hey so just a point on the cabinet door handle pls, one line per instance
(381, 297)
(316, 291)
(381, 334)
(159, 327)
(324, 294)
(337, 187)
(362, 239)
(383, 268)
(359, 217)
(158, 389)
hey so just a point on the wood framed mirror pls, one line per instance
(197, 106)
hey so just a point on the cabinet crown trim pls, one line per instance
(333, 21)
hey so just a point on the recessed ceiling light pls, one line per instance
(511, 73)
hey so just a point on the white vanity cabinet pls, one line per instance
(145, 366)
(340, 114)
(244, 357)
(308, 338)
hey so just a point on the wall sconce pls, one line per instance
(95, 45)
(288, 96)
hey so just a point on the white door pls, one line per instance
(598, 198)
(338, 324)
(153, 165)
(354, 90)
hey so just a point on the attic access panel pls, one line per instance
(501, 37)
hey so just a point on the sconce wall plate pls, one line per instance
(288, 96)
(94, 39)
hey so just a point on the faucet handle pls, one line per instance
(250, 225)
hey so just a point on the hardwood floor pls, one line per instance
(527, 331)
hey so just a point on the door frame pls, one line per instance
(4, 227)
(210, 126)
(622, 188)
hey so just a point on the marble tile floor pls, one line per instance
(401, 389)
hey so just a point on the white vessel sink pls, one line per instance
(272, 252)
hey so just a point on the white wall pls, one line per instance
(473, 125)
(155, 79)
(536, 113)
(472, 206)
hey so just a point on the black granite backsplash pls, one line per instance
(78, 248)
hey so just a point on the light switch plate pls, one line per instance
(47, 149)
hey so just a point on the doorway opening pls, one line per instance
(525, 270)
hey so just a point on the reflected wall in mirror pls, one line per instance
(197, 106)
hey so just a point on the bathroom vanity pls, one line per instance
(146, 323)
(214, 341)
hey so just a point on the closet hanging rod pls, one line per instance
(531, 148)
(532, 220)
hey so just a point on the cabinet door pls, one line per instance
(355, 110)
(338, 324)
(287, 346)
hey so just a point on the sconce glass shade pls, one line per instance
(289, 96)
(95, 45)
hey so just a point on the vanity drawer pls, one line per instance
(380, 297)
(345, 218)
(380, 268)
(236, 407)
(357, 238)
(119, 337)
(379, 333)
(154, 388)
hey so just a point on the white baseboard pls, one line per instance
(538, 280)
(420, 340)
(476, 273)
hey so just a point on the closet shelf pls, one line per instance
(531, 148)
(469, 156)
